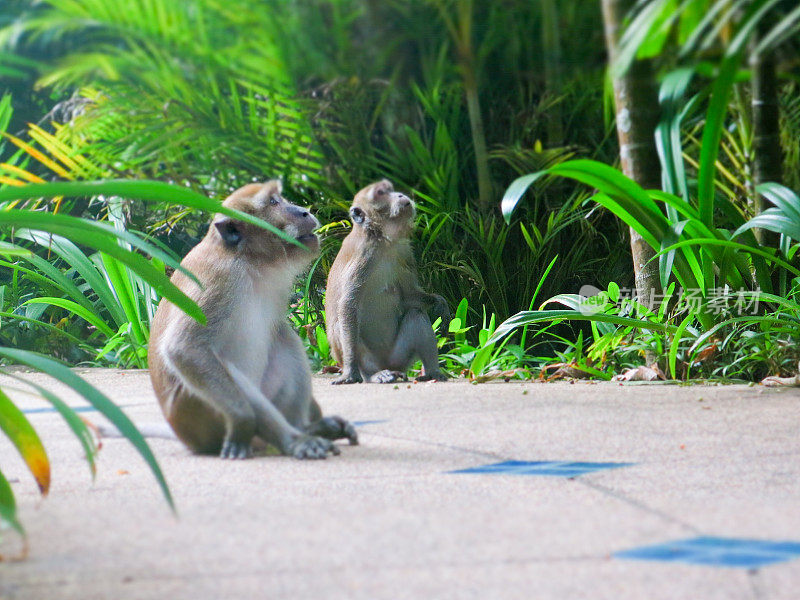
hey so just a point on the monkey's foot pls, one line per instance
(347, 378)
(312, 447)
(334, 428)
(438, 376)
(236, 450)
(387, 376)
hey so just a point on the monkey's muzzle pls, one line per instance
(310, 240)
(403, 206)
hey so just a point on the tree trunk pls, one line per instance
(460, 29)
(767, 155)
(551, 51)
(636, 102)
(478, 135)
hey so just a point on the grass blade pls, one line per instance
(515, 191)
(76, 308)
(676, 340)
(539, 316)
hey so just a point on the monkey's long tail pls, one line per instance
(148, 430)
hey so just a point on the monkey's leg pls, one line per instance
(415, 338)
(372, 368)
(347, 329)
(209, 382)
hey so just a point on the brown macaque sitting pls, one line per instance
(376, 311)
(245, 374)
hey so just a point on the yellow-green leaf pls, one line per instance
(22, 434)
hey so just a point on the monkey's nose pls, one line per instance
(299, 212)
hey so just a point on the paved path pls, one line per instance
(385, 520)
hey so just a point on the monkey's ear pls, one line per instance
(357, 215)
(229, 230)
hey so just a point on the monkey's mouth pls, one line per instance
(405, 211)
(309, 239)
(305, 234)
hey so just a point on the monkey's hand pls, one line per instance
(441, 309)
(348, 377)
(311, 447)
(334, 428)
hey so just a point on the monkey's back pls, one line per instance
(333, 292)
(195, 423)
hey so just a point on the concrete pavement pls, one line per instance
(387, 519)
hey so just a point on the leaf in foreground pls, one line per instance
(8, 506)
(24, 437)
(97, 399)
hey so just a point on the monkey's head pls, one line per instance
(381, 211)
(264, 200)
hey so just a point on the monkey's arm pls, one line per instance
(348, 328)
(416, 297)
(439, 308)
(355, 278)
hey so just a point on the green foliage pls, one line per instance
(484, 360)
(188, 91)
(703, 238)
(754, 346)
(331, 96)
(688, 231)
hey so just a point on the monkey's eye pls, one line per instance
(274, 200)
(381, 192)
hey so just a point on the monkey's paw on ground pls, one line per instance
(312, 447)
(334, 428)
(236, 450)
(347, 378)
(438, 377)
(387, 376)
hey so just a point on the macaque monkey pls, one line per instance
(245, 374)
(376, 311)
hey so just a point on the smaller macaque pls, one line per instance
(245, 374)
(376, 311)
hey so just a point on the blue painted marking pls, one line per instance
(545, 468)
(717, 552)
(47, 409)
(362, 423)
